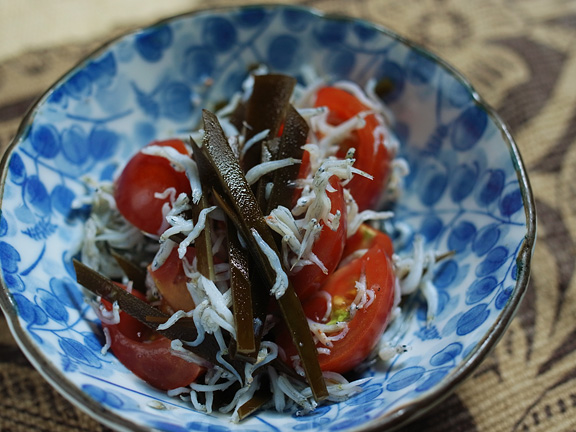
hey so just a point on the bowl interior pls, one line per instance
(467, 192)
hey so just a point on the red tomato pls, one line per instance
(366, 237)
(142, 177)
(170, 280)
(371, 154)
(366, 326)
(147, 354)
(328, 247)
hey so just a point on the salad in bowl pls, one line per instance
(261, 218)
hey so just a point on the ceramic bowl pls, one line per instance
(467, 192)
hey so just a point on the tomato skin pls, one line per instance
(170, 279)
(328, 247)
(365, 328)
(152, 361)
(371, 157)
(147, 354)
(367, 325)
(366, 237)
(142, 177)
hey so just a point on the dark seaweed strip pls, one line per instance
(266, 109)
(203, 243)
(246, 345)
(133, 272)
(293, 137)
(244, 211)
(260, 398)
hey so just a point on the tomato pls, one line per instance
(366, 237)
(142, 177)
(371, 154)
(170, 280)
(366, 325)
(147, 354)
(328, 247)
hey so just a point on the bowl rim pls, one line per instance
(399, 416)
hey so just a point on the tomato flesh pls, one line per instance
(366, 326)
(328, 247)
(147, 354)
(170, 279)
(144, 176)
(366, 237)
(371, 154)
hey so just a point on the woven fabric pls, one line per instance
(521, 57)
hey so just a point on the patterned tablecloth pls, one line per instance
(521, 57)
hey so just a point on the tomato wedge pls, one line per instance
(170, 280)
(371, 154)
(144, 176)
(364, 326)
(148, 355)
(366, 237)
(328, 247)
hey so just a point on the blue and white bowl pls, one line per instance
(467, 192)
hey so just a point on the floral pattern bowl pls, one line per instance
(467, 192)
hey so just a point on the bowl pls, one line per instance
(467, 192)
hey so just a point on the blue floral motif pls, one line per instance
(78, 352)
(102, 143)
(472, 319)
(281, 51)
(421, 69)
(152, 43)
(405, 378)
(17, 169)
(295, 19)
(75, 147)
(461, 235)
(490, 187)
(52, 306)
(369, 393)
(480, 289)
(341, 63)
(503, 297)
(427, 332)
(331, 34)
(463, 195)
(219, 34)
(9, 257)
(103, 70)
(495, 259)
(433, 378)
(109, 398)
(251, 17)
(446, 273)
(485, 239)
(364, 31)
(446, 355)
(392, 76)
(45, 140)
(28, 311)
(511, 202)
(197, 64)
(469, 128)
(61, 199)
(79, 86)
(463, 181)
(431, 227)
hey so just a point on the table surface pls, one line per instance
(521, 57)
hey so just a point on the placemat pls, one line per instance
(521, 57)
